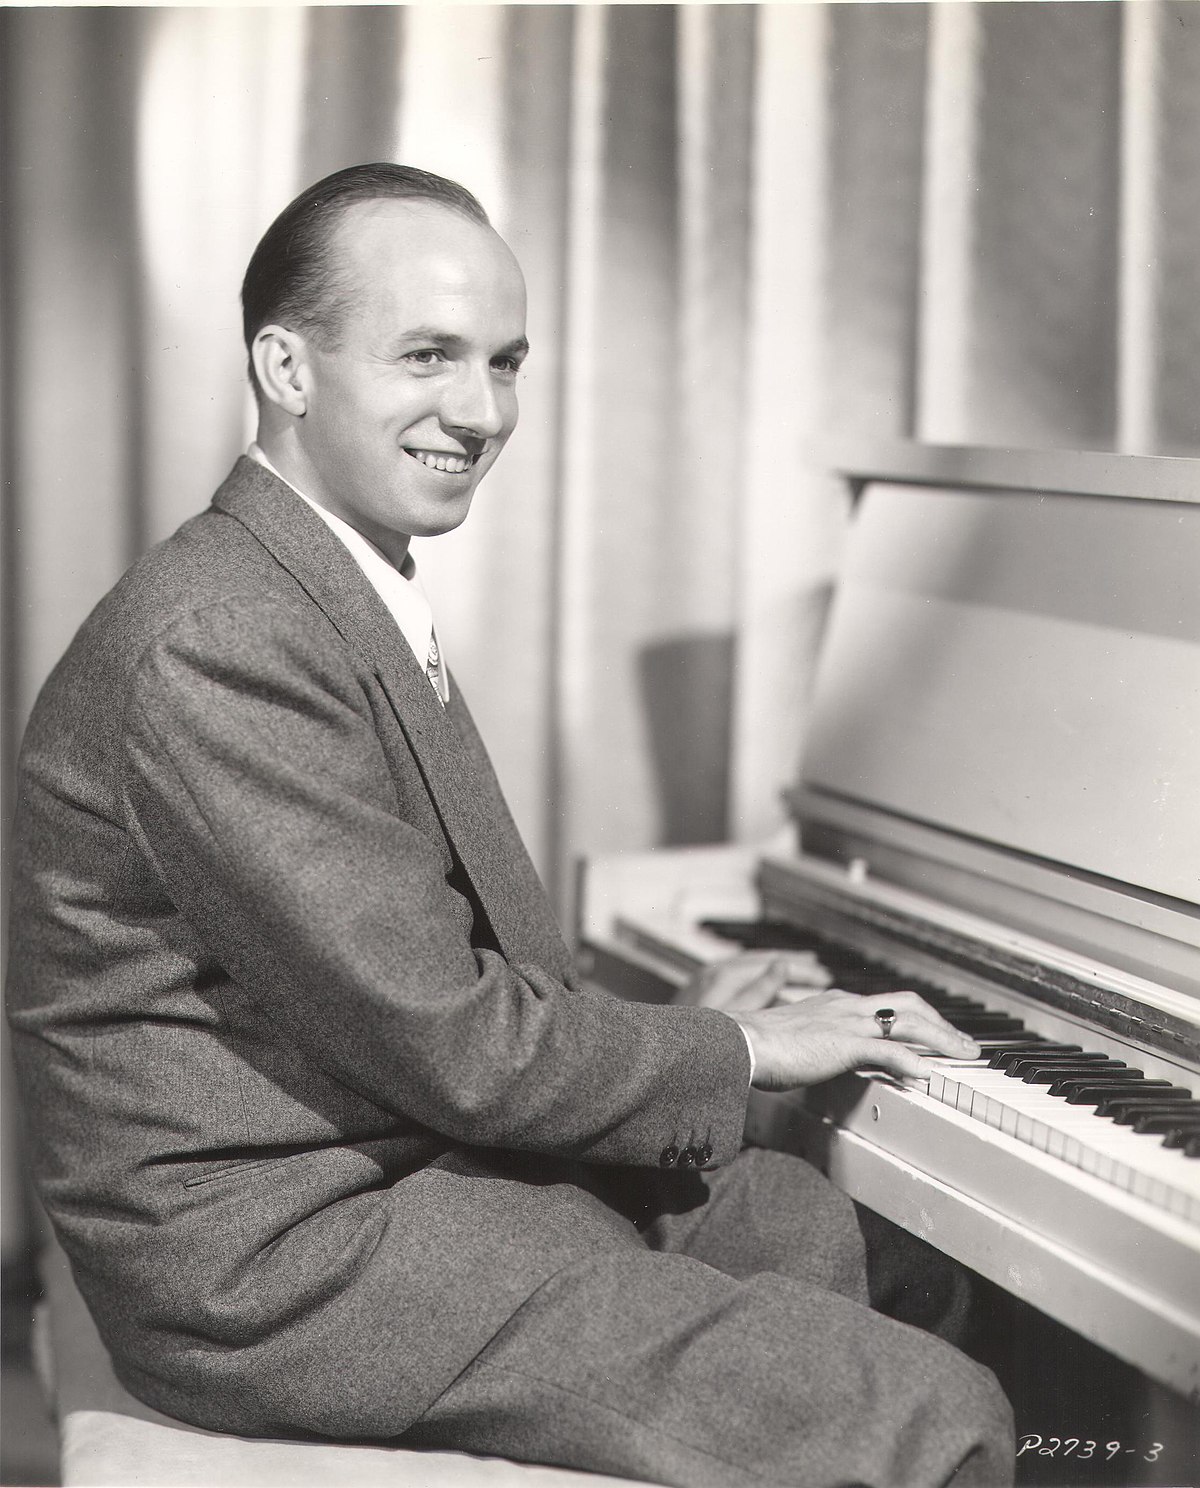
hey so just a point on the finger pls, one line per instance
(914, 1003)
(720, 984)
(804, 969)
(790, 993)
(761, 991)
(896, 1059)
(919, 1024)
(941, 1037)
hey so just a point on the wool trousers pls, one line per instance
(751, 1326)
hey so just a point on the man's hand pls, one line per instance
(828, 1033)
(755, 979)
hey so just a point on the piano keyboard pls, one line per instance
(1116, 1154)
(1078, 1105)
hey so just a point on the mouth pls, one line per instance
(449, 462)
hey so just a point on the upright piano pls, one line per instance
(999, 807)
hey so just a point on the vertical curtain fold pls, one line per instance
(790, 507)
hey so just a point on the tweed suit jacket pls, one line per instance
(292, 1017)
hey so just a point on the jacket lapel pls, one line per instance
(444, 742)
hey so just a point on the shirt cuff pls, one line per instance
(749, 1050)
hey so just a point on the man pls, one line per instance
(335, 1141)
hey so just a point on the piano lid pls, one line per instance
(1007, 713)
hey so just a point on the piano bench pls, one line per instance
(107, 1439)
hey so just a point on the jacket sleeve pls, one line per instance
(256, 786)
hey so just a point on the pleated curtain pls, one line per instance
(611, 606)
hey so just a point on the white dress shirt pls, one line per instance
(399, 588)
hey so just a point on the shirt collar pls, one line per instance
(399, 588)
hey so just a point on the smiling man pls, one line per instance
(388, 398)
(337, 1143)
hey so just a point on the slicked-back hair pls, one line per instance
(293, 279)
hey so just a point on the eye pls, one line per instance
(427, 356)
(508, 366)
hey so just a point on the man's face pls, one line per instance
(408, 411)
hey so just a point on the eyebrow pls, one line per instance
(454, 342)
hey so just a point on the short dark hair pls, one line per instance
(292, 279)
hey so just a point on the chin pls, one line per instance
(437, 524)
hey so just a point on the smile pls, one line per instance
(439, 460)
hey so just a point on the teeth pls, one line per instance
(452, 464)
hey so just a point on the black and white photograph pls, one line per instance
(600, 744)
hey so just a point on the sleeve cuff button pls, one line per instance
(669, 1156)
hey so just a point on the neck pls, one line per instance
(288, 461)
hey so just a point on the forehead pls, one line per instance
(416, 259)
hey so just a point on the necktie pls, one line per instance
(433, 666)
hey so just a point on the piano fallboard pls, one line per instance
(1118, 1266)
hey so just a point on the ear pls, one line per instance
(281, 363)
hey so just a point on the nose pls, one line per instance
(475, 404)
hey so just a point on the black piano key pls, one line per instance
(1117, 1082)
(938, 998)
(1088, 1095)
(1154, 1103)
(1009, 1043)
(1019, 1066)
(1180, 1137)
(991, 1044)
(865, 986)
(741, 932)
(1050, 1052)
(1005, 1056)
(1114, 1081)
(1049, 1074)
(1191, 1148)
(983, 1023)
(1122, 1109)
(764, 935)
(1181, 1111)
(1158, 1126)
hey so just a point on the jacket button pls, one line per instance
(669, 1156)
(704, 1156)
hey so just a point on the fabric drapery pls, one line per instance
(606, 577)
